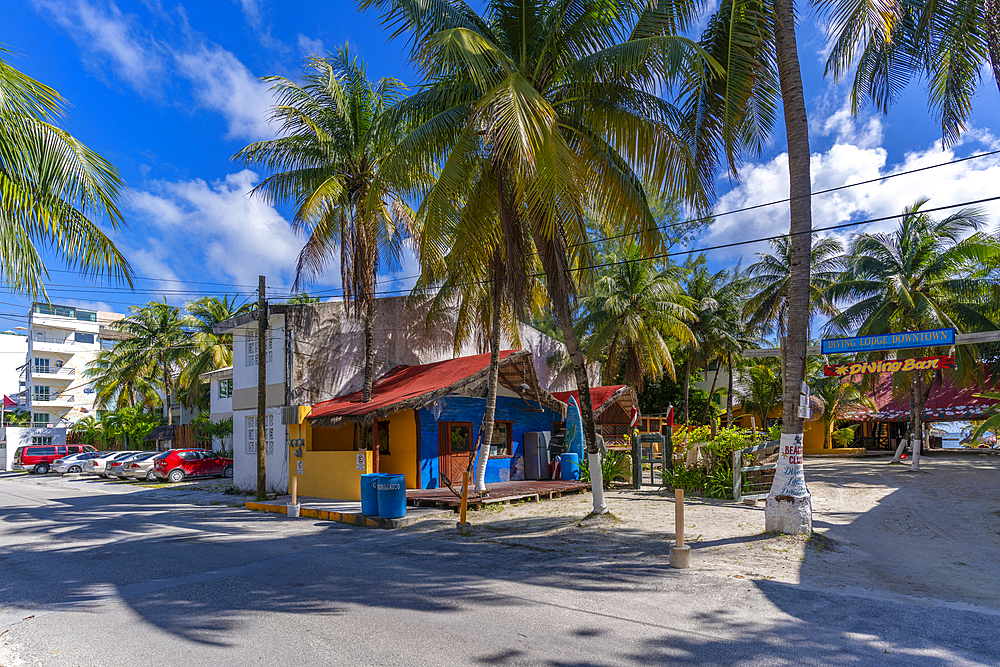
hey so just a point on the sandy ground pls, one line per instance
(878, 528)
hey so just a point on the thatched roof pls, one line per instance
(415, 387)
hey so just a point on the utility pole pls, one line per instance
(261, 388)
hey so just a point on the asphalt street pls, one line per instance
(114, 579)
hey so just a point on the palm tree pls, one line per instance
(211, 350)
(838, 393)
(949, 43)
(112, 390)
(632, 311)
(771, 276)
(155, 350)
(333, 140)
(548, 111)
(926, 274)
(761, 390)
(55, 190)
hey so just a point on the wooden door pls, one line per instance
(454, 450)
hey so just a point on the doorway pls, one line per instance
(454, 450)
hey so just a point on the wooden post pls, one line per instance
(465, 495)
(261, 388)
(295, 489)
(679, 517)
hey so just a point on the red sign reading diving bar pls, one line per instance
(890, 366)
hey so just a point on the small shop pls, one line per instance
(424, 423)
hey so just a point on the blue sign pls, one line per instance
(891, 341)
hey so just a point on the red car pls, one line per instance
(38, 458)
(181, 463)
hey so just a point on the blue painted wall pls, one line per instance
(466, 409)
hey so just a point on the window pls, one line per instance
(461, 438)
(189, 456)
(40, 419)
(502, 440)
(654, 425)
(86, 316)
(226, 388)
(40, 392)
(382, 431)
(61, 311)
(268, 434)
(41, 365)
(83, 337)
(252, 350)
(43, 440)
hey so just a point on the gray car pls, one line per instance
(142, 468)
(116, 468)
(73, 462)
(99, 466)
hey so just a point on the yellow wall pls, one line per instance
(812, 436)
(329, 461)
(402, 458)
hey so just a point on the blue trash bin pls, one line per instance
(391, 496)
(369, 494)
(569, 463)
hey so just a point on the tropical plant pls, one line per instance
(838, 394)
(207, 431)
(844, 437)
(548, 114)
(89, 431)
(761, 391)
(992, 421)
(154, 351)
(333, 139)
(616, 465)
(56, 191)
(112, 390)
(17, 417)
(212, 351)
(926, 274)
(127, 427)
(769, 281)
(632, 311)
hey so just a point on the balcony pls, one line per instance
(53, 400)
(60, 344)
(53, 373)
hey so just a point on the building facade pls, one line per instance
(62, 340)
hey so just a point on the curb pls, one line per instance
(340, 517)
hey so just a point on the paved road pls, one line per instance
(111, 579)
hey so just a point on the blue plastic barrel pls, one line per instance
(570, 465)
(391, 496)
(369, 494)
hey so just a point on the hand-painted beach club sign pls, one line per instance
(889, 366)
(891, 341)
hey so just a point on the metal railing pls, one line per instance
(52, 370)
(753, 471)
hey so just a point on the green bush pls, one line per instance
(843, 437)
(615, 465)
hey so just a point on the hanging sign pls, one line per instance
(890, 366)
(890, 341)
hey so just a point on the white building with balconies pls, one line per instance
(62, 340)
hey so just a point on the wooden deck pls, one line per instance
(499, 492)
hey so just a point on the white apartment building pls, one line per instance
(62, 340)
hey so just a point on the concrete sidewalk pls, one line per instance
(345, 511)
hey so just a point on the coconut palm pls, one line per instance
(926, 274)
(760, 390)
(633, 310)
(155, 349)
(549, 111)
(770, 280)
(838, 394)
(948, 43)
(55, 191)
(333, 140)
(113, 390)
(211, 350)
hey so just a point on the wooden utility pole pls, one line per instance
(261, 388)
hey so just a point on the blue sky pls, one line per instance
(169, 91)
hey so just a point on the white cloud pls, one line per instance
(308, 45)
(856, 156)
(109, 38)
(215, 231)
(223, 84)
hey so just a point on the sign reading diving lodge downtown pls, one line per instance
(890, 341)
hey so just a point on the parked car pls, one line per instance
(116, 468)
(38, 458)
(181, 463)
(142, 468)
(73, 462)
(99, 466)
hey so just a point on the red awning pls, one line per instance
(601, 398)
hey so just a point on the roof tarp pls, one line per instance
(946, 402)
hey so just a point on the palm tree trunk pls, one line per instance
(167, 414)
(558, 285)
(778, 515)
(715, 380)
(687, 391)
(486, 440)
(729, 393)
(369, 379)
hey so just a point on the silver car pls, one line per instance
(99, 466)
(116, 468)
(142, 468)
(73, 462)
